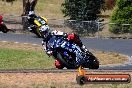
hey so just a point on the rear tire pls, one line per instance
(4, 28)
(94, 64)
(4, 31)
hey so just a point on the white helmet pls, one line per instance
(31, 14)
(45, 31)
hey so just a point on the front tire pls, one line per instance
(81, 80)
(67, 65)
(38, 34)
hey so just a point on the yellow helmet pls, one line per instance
(46, 21)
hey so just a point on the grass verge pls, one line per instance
(22, 59)
(28, 56)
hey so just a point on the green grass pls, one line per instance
(22, 59)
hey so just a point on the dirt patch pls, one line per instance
(110, 58)
(49, 80)
(26, 79)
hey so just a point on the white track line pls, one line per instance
(16, 42)
(4, 41)
(21, 43)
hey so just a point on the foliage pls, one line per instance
(122, 14)
(82, 9)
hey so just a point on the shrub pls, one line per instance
(82, 10)
(122, 14)
(109, 4)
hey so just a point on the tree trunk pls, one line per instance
(27, 6)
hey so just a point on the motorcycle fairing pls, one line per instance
(39, 21)
(71, 47)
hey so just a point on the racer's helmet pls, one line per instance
(45, 31)
(31, 14)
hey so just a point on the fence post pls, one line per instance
(97, 29)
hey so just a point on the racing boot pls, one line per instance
(30, 29)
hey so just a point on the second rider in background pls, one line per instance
(34, 20)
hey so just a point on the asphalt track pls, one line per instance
(116, 45)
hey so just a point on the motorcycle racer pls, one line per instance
(70, 37)
(47, 35)
(36, 21)
(3, 27)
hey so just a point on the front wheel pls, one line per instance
(64, 61)
(81, 80)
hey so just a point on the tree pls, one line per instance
(27, 6)
(109, 4)
(122, 14)
(82, 9)
(10, 1)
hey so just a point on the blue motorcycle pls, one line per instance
(68, 54)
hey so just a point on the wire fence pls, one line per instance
(83, 28)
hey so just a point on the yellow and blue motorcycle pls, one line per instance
(36, 23)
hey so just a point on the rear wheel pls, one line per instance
(4, 31)
(94, 63)
(4, 28)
